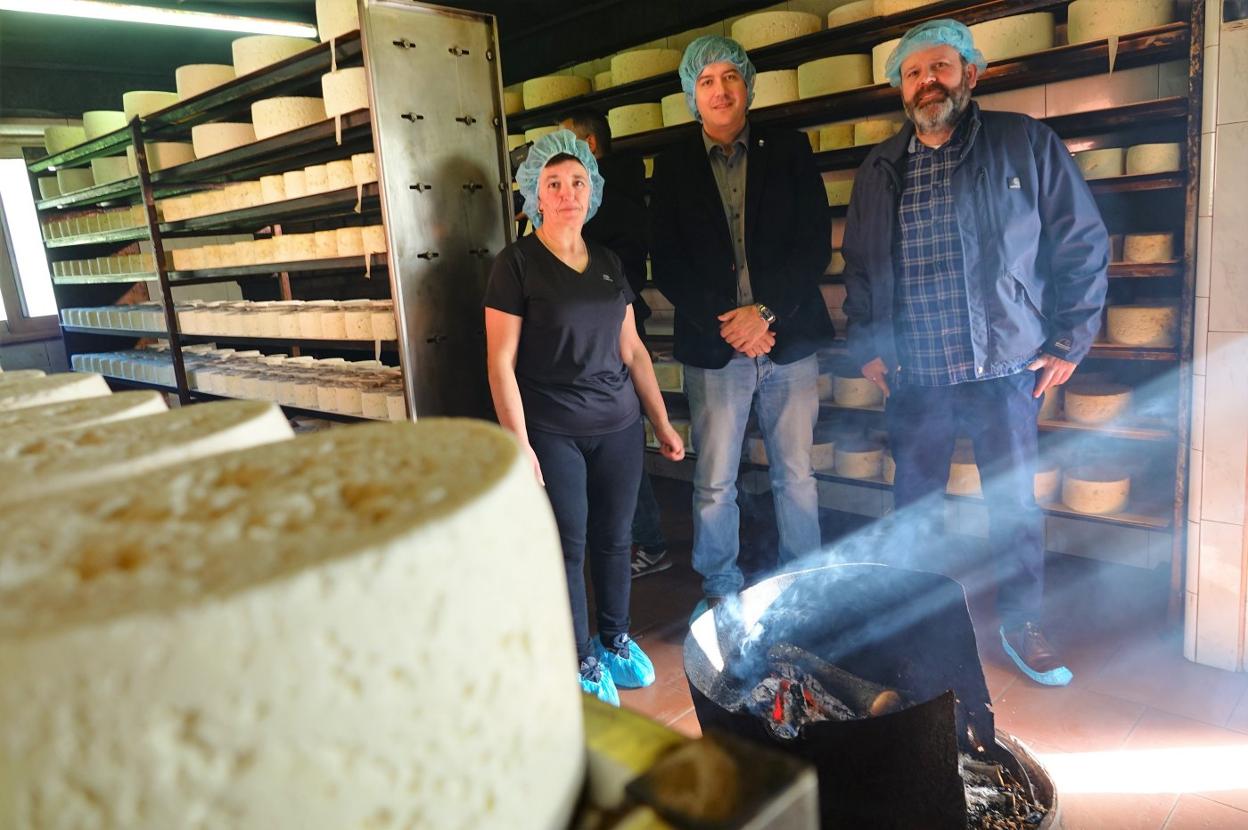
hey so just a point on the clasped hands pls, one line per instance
(746, 331)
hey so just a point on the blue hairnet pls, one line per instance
(943, 32)
(705, 51)
(542, 151)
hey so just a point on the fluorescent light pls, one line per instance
(123, 13)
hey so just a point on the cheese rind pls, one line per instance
(851, 13)
(836, 137)
(197, 78)
(1096, 403)
(636, 64)
(1047, 484)
(1148, 247)
(835, 74)
(1009, 37)
(675, 110)
(255, 53)
(603, 80)
(634, 118)
(335, 18)
(210, 139)
(549, 89)
(776, 87)
(856, 391)
(964, 477)
(55, 417)
(1097, 491)
(51, 389)
(1096, 19)
(874, 131)
(345, 91)
(1143, 325)
(58, 139)
(1102, 164)
(879, 59)
(274, 116)
(96, 123)
(1143, 159)
(859, 459)
(765, 28)
(144, 102)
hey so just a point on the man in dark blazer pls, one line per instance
(740, 235)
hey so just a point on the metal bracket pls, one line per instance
(437, 338)
(404, 43)
(473, 187)
(413, 117)
(420, 187)
(427, 255)
(489, 54)
(466, 119)
(457, 52)
(480, 252)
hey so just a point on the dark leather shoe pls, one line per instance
(1034, 656)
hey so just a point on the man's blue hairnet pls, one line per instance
(705, 51)
(543, 150)
(944, 32)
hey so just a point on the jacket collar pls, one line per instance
(893, 151)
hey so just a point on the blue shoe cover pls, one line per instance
(597, 682)
(625, 662)
(698, 610)
(1060, 676)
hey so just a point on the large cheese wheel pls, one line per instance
(1101, 164)
(765, 28)
(776, 87)
(675, 109)
(274, 116)
(670, 375)
(364, 166)
(161, 155)
(887, 7)
(266, 639)
(535, 133)
(1047, 484)
(1096, 403)
(1096, 19)
(96, 123)
(859, 459)
(836, 137)
(851, 13)
(538, 92)
(74, 178)
(1153, 158)
(879, 59)
(340, 174)
(835, 74)
(1009, 37)
(1050, 408)
(513, 102)
(856, 391)
(874, 131)
(1148, 247)
(838, 191)
(627, 67)
(210, 139)
(295, 183)
(963, 475)
(345, 91)
(197, 78)
(58, 139)
(634, 118)
(603, 80)
(888, 469)
(144, 102)
(1143, 325)
(70, 386)
(335, 18)
(256, 52)
(1096, 490)
(86, 412)
(111, 169)
(49, 188)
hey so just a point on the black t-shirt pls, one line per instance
(568, 365)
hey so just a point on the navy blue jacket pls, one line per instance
(788, 242)
(1034, 247)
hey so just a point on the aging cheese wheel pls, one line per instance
(382, 323)
(161, 155)
(326, 244)
(145, 102)
(1148, 247)
(1143, 325)
(888, 470)
(1047, 486)
(1050, 408)
(851, 13)
(74, 178)
(772, 88)
(350, 241)
(1153, 158)
(197, 78)
(836, 137)
(859, 459)
(603, 80)
(273, 188)
(874, 131)
(345, 91)
(887, 7)
(274, 116)
(210, 139)
(513, 102)
(765, 28)
(1101, 164)
(879, 59)
(335, 18)
(634, 118)
(836, 264)
(48, 187)
(254, 53)
(364, 168)
(838, 191)
(87, 412)
(51, 389)
(1009, 37)
(182, 588)
(670, 375)
(1096, 403)
(675, 110)
(340, 175)
(1096, 19)
(856, 391)
(627, 67)
(107, 170)
(296, 183)
(96, 123)
(374, 239)
(963, 474)
(835, 74)
(59, 139)
(1096, 490)
(537, 132)
(538, 92)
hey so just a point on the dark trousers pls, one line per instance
(592, 482)
(999, 416)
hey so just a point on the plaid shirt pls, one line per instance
(933, 323)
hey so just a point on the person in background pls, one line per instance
(976, 271)
(620, 225)
(566, 371)
(740, 237)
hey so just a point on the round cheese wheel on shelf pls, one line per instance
(888, 470)
(1051, 407)
(111, 169)
(550, 89)
(765, 28)
(836, 137)
(77, 414)
(776, 87)
(634, 118)
(96, 123)
(210, 139)
(317, 177)
(382, 323)
(161, 155)
(874, 131)
(364, 168)
(350, 241)
(879, 59)
(274, 116)
(48, 188)
(335, 18)
(345, 91)
(1009, 37)
(1148, 247)
(396, 406)
(38, 391)
(963, 474)
(603, 80)
(71, 179)
(1143, 159)
(513, 102)
(144, 102)
(374, 239)
(835, 74)
(838, 191)
(326, 244)
(851, 13)
(58, 139)
(856, 392)
(859, 459)
(1096, 403)
(1047, 485)
(1102, 164)
(254, 53)
(1095, 19)
(197, 78)
(535, 133)
(887, 7)
(358, 319)
(836, 264)
(1096, 490)
(675, 110)
(296, 183)
(1143, 325)
(634, 65)
(340, 174)
(272, 188)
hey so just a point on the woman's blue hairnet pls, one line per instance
(543, 150)
(944, 32)
(705, 51)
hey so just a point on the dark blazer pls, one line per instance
(620, 223)
(787, 244)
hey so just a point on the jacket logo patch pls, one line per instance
(1015, 184)
(607, 277)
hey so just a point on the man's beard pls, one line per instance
(938, 116)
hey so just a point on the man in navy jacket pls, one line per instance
(975, 272)
(740, 235)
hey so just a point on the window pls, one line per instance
(29, 304)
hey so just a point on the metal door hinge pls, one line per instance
(427, 255)
(413, 116)
(404, 43)
(420, 187)
(458, 52)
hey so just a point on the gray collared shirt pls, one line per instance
(729, 173)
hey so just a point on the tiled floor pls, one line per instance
(1141, 740)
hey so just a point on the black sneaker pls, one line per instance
(645, 562)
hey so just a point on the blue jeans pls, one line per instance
(786, 399)
(999, 416)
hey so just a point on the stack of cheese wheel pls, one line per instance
(1097, 490)
(851, 13)
(210, 139)
(252, 54)
(274, 116)
(1101, 164)
(538, 92)
(335, 18)
(1143, 159)
(765, 28)
(1096, 19)
(345, 91)
(836, 137)
(1009, 37)
(1047, 487)
(963, 472)
(835, 74)
(879, 59)
(37, 391)
(85, 412)
(183, 608)
(1143, 325)
(603, 80)
(96, 123)
(142, 103)
(58, 139)
(1148, 247)
(513, 101)
(776, 87)
(637, 64)
(838, 191)
(197, 78)
(873, 131)
(854, 390)
(634, 118)
(859, 459)
(1096, 403)
(675, 110)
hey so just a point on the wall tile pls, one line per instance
(1233, 76)
(1198, 413)
(1172, 79)
(1204, 254)
(1192, 555)
(1200, 335)
(1190, 624)
(1208, 171)
(1209, 95)
(1030, 101)
(1221, 567)
(1196, 471)
(1126, 86)
(1226, 436)
(1228, 284)
(1213, 21)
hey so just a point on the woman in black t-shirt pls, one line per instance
(567, 371)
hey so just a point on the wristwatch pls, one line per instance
(769, 316)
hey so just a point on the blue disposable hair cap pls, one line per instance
(560, 142)
(705, 51)
(944, 32)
